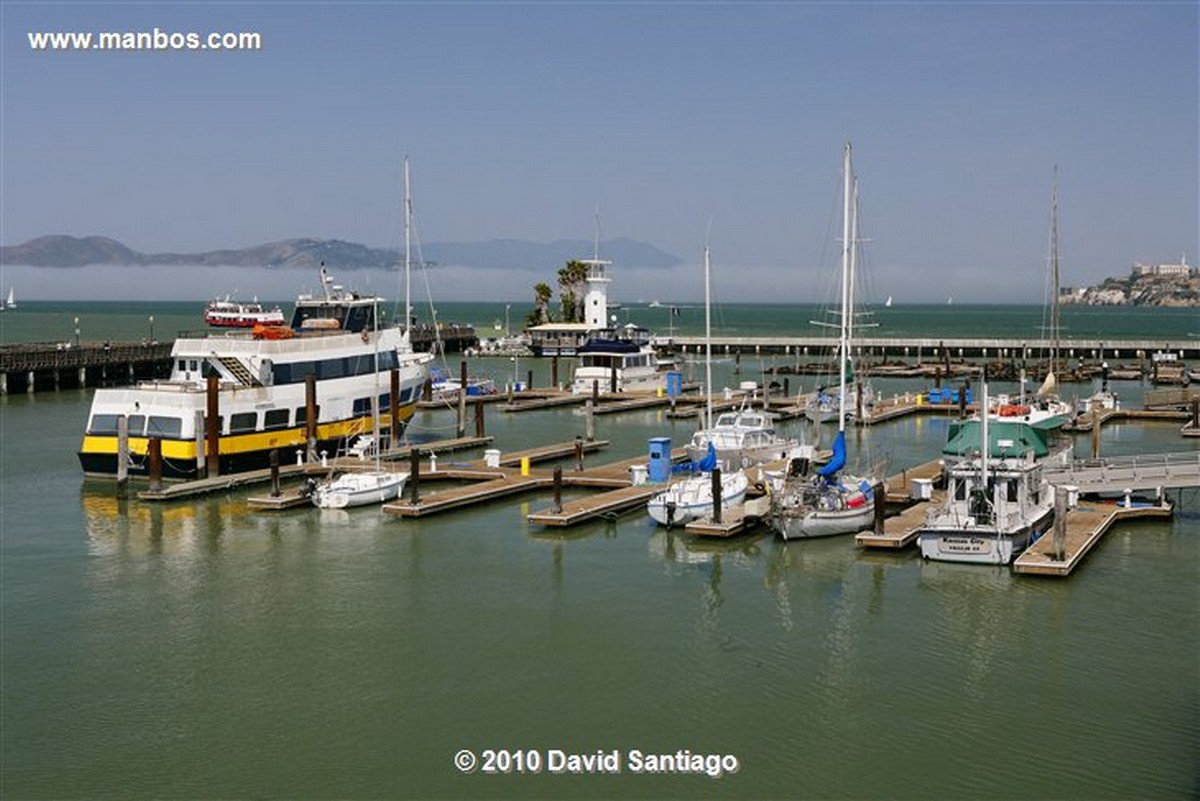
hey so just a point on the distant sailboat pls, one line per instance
(950, 301)
(888, 302)
(11, 303)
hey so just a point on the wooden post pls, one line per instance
(529, 380)
(274, 472)
(198, 425)
(589, 425)
(880, 507)
(1095, 429)
(122, 455)
(962, 401)
(716, 495)
(558, 489)
(554, 370)
(612, 379)
(310, 415)
(462, 400)
(858, 401)
(394, 409)
(414, 477)
(1195, 412)
(578, 453)
(479, 418)
(1060, 522)
(154, 457)
(787, 387)
(212, 428)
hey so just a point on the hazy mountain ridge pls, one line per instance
(70, 251)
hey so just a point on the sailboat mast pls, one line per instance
(1054, 311)
(707, 342)
(847, 251)
(407, 250)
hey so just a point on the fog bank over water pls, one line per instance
(682, 283)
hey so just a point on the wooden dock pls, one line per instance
(740, 519)
(900, 530)
(1086, 525)
(509, 483)
(604, 503)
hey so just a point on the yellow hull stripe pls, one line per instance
(233, 444)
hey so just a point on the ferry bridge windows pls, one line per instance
(274, 419)
(137, 425)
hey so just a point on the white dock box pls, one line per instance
(491, 457)
(922, 489)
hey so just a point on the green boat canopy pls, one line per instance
(1008, 439)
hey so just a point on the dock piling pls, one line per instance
(274, 472)
(310, 415)
(578, 453)
(880, 507)
(589, 418)
(394, 408)
(558, 484)
(122, 455)
(462, 399)
(479, 420)
(212, 431)
(414, 477)
(716, 494)
(1060, 521)
(154, 457)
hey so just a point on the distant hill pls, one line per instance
(1139, 290)
(70, 251)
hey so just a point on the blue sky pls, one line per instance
(522, 118)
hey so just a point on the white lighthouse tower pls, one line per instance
(595, 302)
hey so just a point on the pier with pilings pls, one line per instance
(35, 366)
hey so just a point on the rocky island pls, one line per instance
(1146, 285)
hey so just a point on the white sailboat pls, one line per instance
(1045, 409)
(692, 498)
(830, 502)
(11, 302)
(741, 438)
(361, 488)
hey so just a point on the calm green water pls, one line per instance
(204, 650)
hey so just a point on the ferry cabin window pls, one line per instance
(137, 425)
(960, 489)
(159, 426)
(102, 424)
(243, 421)
(1010, 490)
(302, 415)
(362, 406)
(275, 419)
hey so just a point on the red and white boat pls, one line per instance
(228, 313)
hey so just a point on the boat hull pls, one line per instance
(359, 489)
(691, 499)
(981, 546)
(818, 523)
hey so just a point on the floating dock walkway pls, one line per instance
(1085, 525)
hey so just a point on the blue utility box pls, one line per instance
(659, 468)
(674, 384)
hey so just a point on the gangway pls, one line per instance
(1121, 473)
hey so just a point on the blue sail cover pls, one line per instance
(839, 458)
(705, 465)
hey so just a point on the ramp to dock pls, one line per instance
(1120, 473)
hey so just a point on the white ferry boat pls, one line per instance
(261, 376)
(227, 313)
